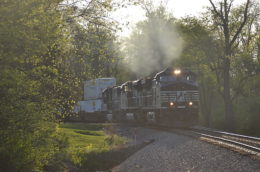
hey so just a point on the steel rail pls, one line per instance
(227, 133)
(249, 147)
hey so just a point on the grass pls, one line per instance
(88, 143)
(84, 136)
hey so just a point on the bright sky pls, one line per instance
(127, 17)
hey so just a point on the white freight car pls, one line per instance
(93, 95)
(93, 88)
(90, 106)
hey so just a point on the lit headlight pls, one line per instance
(171, 104)
(190, 103)
(177, 72)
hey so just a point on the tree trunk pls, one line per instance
(223, 14)
(206, 97)
(229, 116)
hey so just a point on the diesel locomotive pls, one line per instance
(168, 98)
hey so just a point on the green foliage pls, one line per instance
(199, 51)
(43, 60)
(36, 84)
(44, 57)
(203, 51)
(236, 29)
(96, 51)
(102, 56)
(248, 115)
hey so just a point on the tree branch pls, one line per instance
(215, 10)
(230, 5)
(242, 24)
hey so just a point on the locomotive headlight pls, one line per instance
(171, 104)
(190, 103)
(177, 72)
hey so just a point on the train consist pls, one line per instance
(169, 98)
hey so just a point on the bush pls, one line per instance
(247, 115)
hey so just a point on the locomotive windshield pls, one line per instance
(167, 78)
(190, 78)
(172, 78)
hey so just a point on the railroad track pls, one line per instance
(231, 140)
(246, 142)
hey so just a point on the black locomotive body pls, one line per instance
(169, 98)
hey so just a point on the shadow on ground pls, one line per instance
(105, 161)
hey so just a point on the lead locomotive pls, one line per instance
(169, 98)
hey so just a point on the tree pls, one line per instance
(40, 81)
(93, 33)
(33, 83)
(102, 57)
(229, 32)
(199, 47)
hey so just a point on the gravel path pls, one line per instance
(171, 152)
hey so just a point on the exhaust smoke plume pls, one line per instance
(153, 45)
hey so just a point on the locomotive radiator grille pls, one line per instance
(191, 96)
(174, 96)
(167, 96)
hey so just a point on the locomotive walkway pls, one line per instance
(175, 152)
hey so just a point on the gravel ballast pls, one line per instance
(172, 152)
